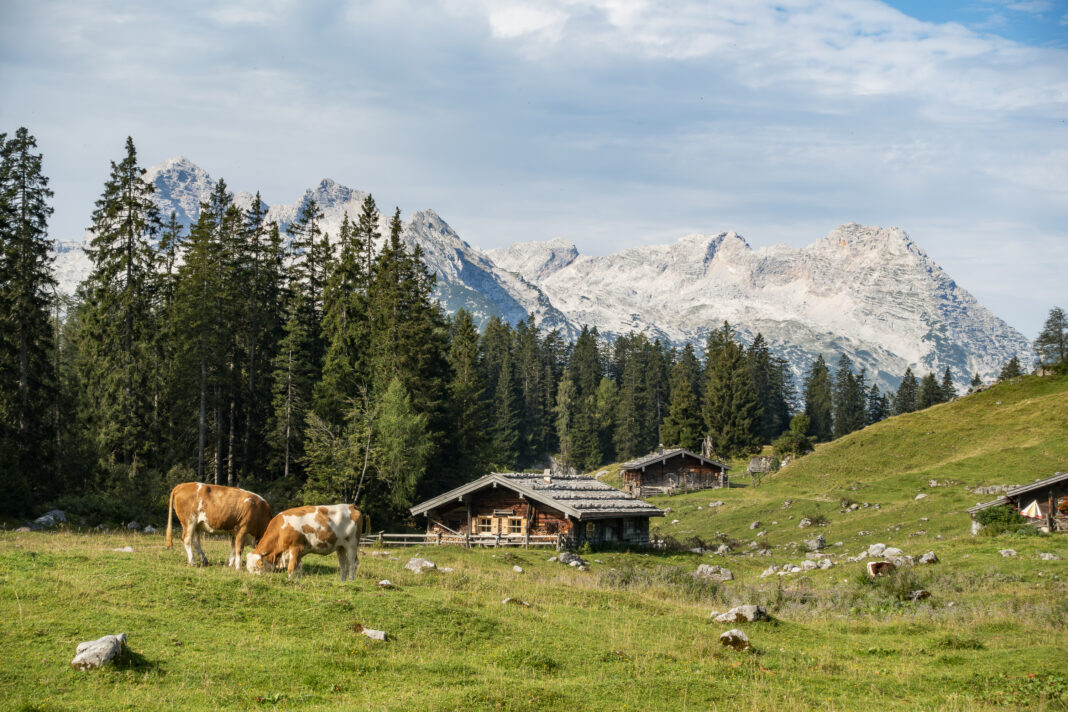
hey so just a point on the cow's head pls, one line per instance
(257, 564)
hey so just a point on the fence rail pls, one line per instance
(465, 540)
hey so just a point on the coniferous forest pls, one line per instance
(312, 367)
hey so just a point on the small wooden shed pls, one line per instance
(1050, 494)
(513, 507)
(671, 472)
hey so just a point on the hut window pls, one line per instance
(515, 525)
(628, 527)
(485, 525)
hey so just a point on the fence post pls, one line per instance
(439, 538)
(467, 539)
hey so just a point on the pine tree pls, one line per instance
(682, 426)
(293, 376)
(819, 400)
(768, 381)
(731, 408)
(402, 448)
(1052, 342)
(849, 399)
(976, 383)
(1010, 370)
(27, 286)
(504, 425)
(365, 237)
(878, 407)
(949, 391)
(530, 379)
(930, 392)
(906, 399)
(115, 315)
(468, 411)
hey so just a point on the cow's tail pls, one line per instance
(170, 514)
(366, 525)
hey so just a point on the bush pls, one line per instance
(999, 520)
(791, 443)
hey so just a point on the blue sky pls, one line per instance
(611, 123)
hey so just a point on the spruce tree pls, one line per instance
(530, 380)
(976, 383)
(768, 381)
(731, 407)
(849, 399)
(402, 449)
(930, 392)
(1010, 370)
(682, 426)
(504, 424)
(819, 400)
(468, 410)
(115, 315)
(907, 396)
(948, 390)
(27, 286)
(1052, 342)
(877, 406)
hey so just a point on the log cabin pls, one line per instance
(512, 507)
(672, 472)
(1049, 494)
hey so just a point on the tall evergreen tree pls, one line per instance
(1010, 370)
(531, 384)
(504, 425)
(115, 315)
(468, 410)
(878, 405)
(976, 383)
(1052, 342)
(930, 392)
(849, 399)
(907, 397)
(682, 426)
(402, 449)
(768, 379)
(948, 390)
(27, 286)
(731, 407)
(819, 401)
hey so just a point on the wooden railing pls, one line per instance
(465, 540)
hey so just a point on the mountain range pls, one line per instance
(868, 292)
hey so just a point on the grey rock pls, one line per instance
(551, 559)
(714, 573)
(892, 551)
(876, 549)
(921, 495)
(515, 602)
(804, 523)
(825, 563)
(809, 565)
(717, 503)
(722, 550)
(919, 595)
(1048, 556)
(761, 533)
(150, 529)
(929, 558)
(1007, 553)
(23, 529)
(743, 614)
(372, 633)
(819, 542)
(668, 510)
(566, 557)
(518, 569)
(769, 571)
(134, 526)
(125, 549)
(45, 521)
(786, 504)
(94, 653)
(736, 639)
(385, 583)
(754, 525)
(764, 552)
(418, 565)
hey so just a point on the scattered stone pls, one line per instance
(597, 561)
(674, 521)
(743, 614)
(809, 565)
(919, 595)
(1007, 553)
(786, 504)
(769, 571)
(714, 573)
(417, 565)
(150, 529)
(921, 495)
(667, 510)
(1048, 556)
(23, 529)
(804, 523)
(134, 526)
(583, 567)
(697, 550)
(839, 543)
(825, 563)
(45, 521)
(817, 543)
(722, 550)
(863, 532)
(761, 533)
(880, 568)
(699, 508)
(125, 549)
(518, 569)
(94, 653)
(566, 557)
(859, 557)
(938, 536)
(385, 583)
(551, 559)
(892, 551)
(101, 527)
(925, 519)
(764, 552)
(876, 549)
(754, 525)
(717, 503)
(736, 639)
(929, 558)
(903, 560)
(380, 553)
(370, 632)
(515, 602)
(774, 524)
(876, 506)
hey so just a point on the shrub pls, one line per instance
(999, 520)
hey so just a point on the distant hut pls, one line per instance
(762, 465)
(671, 472)
(511, 508)
(1044, 501)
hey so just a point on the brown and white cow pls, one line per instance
(214, 508)
(319, 529)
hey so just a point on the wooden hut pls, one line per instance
(671, 472)
(1050, 497)
(512, 508)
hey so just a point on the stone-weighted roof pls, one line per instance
(580, 496)
(653, 458)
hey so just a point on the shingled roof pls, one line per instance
(1017, 491)
(656, 457)
(579, 496)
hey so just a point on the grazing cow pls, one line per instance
(881, 568)
(214, 508)
(319, 529)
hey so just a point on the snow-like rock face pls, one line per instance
(865, 291)
(868, 292)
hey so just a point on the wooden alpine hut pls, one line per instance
(671, 472)
(514, 508)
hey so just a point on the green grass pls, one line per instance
(632, 633)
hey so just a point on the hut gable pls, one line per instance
(1050, 494)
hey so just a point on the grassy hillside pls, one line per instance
(633, 632)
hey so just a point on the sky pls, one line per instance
(609, 123)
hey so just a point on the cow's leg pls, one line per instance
(351, 561)
(236, 547)
(295, 569)
(196, 546)
(343, 562)
(187, 539)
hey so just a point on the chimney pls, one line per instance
(547, 475)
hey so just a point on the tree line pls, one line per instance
(312, 367)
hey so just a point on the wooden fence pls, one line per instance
(465, 540)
